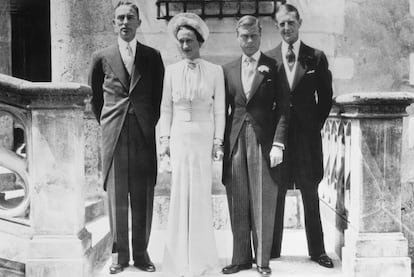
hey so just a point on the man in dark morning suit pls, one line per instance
(255, 135)
(126, 80)
(308, 80)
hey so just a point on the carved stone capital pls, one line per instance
(374, 104)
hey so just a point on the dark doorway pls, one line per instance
(31, 50)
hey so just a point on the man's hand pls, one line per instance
(276, 156)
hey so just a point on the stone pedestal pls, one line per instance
(56, 165)
(57, 172)
(55, 150)
(374, 243)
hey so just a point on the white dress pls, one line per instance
(192, 114)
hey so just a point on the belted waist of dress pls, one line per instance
(191, 115)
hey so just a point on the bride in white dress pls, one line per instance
(191, 132)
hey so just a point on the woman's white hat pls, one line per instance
(189, 19)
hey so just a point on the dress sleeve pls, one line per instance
(219, 104)
(166, 105)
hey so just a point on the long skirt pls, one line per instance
(190, 244)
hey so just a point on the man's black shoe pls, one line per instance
(234, 268)
(264, 270)
(116, 268)
(145, 266)
(323, 260)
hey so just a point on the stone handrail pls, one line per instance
(362, 143)
(52, 115)
(29, 95)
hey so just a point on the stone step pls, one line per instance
(11, 273)
(294, 260)
(101, 242)
(94, 208)
(15, 236)
(11, 268)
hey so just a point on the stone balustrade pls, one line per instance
(362, 142)
(51, 116)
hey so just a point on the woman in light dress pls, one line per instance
(191, 133)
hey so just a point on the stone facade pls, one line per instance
(380, 50)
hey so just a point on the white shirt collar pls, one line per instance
(255, 56)
(123, 44)
(296, 46)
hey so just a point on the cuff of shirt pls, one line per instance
(278, 144)
(218, 141)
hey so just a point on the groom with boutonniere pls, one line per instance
(255, 135)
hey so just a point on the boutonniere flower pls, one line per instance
(263, 69)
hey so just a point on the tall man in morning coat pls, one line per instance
(255, 134)
(305, 75)
(126, 80)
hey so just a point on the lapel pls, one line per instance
(301, 66)
(258, 77)
(117, 65)
(137, 68)
(280, 66)
(236, 79)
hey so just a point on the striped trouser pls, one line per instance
(252, 195)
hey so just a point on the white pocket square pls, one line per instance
(310, 71)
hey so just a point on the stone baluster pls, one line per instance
(56, 175)
(374, 243)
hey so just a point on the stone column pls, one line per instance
(56, 177)
(77, 29)
(374, 243)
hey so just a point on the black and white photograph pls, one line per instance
(206, 138)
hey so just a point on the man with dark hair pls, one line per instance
(126, 81)
(305, 75)
(255, 135)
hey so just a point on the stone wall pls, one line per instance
(378, 37)
(5, 39)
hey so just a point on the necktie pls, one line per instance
(290, 57)
(249, 70)
(129, 59)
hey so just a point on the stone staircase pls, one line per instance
(16, 236)
(97, 224)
